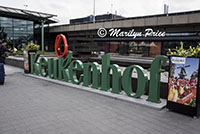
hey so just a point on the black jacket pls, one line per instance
(3, 49)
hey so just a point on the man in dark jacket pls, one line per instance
(3, 49)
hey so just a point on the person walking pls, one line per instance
(3, 50)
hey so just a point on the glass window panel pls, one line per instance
(29, 23)
(17, 30)
(5, 19)
(6, 22)
(30, 29)
(8, 28)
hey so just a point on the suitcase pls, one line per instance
(2, 74)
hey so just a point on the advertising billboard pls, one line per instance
(183, 80)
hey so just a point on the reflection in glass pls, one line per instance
(16, 31)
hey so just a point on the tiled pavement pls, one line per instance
(32, 106)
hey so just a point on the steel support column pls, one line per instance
(42, 38)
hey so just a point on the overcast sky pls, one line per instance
(70, 9)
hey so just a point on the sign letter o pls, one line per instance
(59, 38)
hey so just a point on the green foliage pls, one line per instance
(19, 52)
(191, 52)
(32, 47)
(46, 53)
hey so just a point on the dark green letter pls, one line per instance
(95, 75)
(155, 70)
(76, 65)
(142, 81)
(34, 58)
(43, 66)
(116, 75)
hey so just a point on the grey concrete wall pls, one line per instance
(127, 23)
(151, 21)
(15, 62)
(165, 20)
(180, 19)
(135, 22)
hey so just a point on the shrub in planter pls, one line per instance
(181, 52)
(32, 47)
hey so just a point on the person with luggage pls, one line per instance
(3, 50)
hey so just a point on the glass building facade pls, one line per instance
(144, 48)
(16, 31)
(134, 48)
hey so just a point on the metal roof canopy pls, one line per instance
(37, 17)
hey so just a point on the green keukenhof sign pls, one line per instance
(65, 69)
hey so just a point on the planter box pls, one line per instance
(183, 85)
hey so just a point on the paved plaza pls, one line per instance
(32, 106)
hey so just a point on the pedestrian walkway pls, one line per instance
(33, 106)
(9, 70)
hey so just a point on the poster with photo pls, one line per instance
(183, 80)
